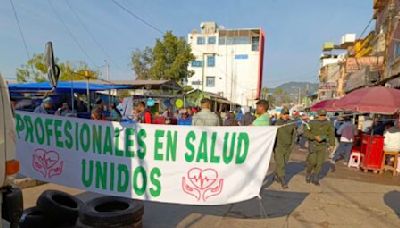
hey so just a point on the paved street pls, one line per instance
(346, 198)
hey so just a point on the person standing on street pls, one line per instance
(248, 118)
(63, 110)
(284, 145)
(346, 131)
(115, 115)
(262, 111)
(205, 117)
(230, 120)
(45, 107)
(321, 136)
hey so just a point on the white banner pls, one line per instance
(172, 164)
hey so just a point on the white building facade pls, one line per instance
(229, 62)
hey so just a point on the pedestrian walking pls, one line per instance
(346, 131)
(302, 141)
(321, 136)
(284, 144)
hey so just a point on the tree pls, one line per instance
(79, 72)
(35, 70)
(281, 97)
(141, 62)
(168, 59)
(264, 93)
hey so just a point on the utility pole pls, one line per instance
(87, 89)
(202, 71)
(108, 79)
(299, 97)
(107, 70)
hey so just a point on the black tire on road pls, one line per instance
(111, 211)
(12, 204)
(59, 207)
(138, 224)
(33, 217)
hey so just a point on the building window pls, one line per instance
(198, 82)
(211, 60)
(200, 40)
(241, 40)
(210, 81)
(396, 49)
(221, 40)
(242, 56)
(255, 43)
(212, 40)
(197, 63)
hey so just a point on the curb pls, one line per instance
(27, 183)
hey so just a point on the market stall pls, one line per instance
(374, 100)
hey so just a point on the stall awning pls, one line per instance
(62, 87)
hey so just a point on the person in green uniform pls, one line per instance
(321, 136)
(283, 145)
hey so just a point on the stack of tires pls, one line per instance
(53, 209)
(59, 209)
(111, 211)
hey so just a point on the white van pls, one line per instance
(10, 198)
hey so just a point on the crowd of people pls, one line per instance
(318, 135)
(198, 116)
(193, 116)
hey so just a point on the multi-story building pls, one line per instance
(387, 15)
(331, 64)
(229, 62)
(369, 61)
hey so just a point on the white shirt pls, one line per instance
(392, 139)
(367, 125)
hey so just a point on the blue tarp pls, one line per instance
(63, 86)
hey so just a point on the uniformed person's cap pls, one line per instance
(322, 112)
(285, 110)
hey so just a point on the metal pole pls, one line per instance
(88, 94)
(72, 93)
(202, 73)
(108, 79)
(299, 96)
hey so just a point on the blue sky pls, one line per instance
(295, 30)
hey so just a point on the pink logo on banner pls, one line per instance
(202, 183)
(48, 163)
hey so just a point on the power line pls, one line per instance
(70, 33)
(20, 29)
(88, 31)
(366, 27)
(137, 17)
